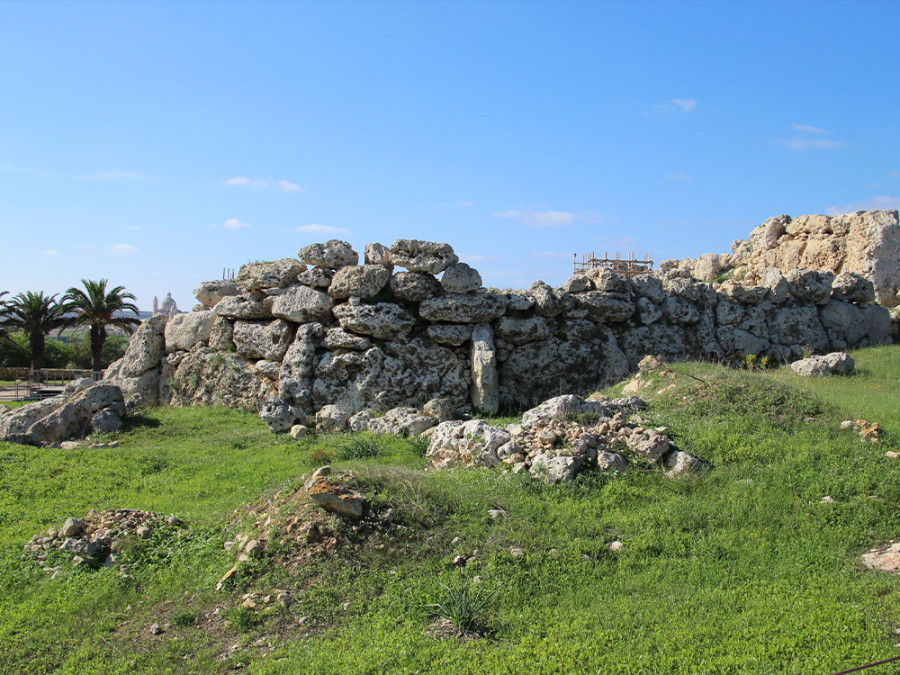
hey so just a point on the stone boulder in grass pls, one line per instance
(836, 363)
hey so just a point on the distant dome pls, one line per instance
(168, 306)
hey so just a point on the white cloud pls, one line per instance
(240, 181)
(475, 257)
(464, 204)
(894, 174)
(132, 228)
(123, 248)
(287, 186)
(872, 204)
(550, 218)
(675, 105)
(51, 252)
(809, 143)
(235, 224)
(805, 128)
(682, 177)
(320, 229)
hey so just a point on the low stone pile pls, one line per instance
(84, 407)
(559, 438)
(94, 539)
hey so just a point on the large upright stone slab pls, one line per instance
(485, 391)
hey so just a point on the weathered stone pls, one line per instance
(106, 422)
(845, 324)
(707, 267)
(797, 326)
(422, 256)
(650, 287)
(281, 417)
(245, 307)
(810, 285)
(261, 275)
(414, 286)
(851, 287)
(402, 421)
(520, 331)
(469, 308)
(331, 418)
(678, 310)
(775, 281)
(546, 301)
(317, 277)
(555, 469)
(361, 281)
(302, 304)
(268, 368)
(485, 394)
(383, 320)
(337, 498)
(578, 284)
(680, 463)
(204, 377)
(333, 254)
(183, 331)
(298, 367)
(649, 446)
(338, 338)
(211, 292)
(884, 558)
(261, 340)
(611, 461)
(836, 363)
(378, 254)
(606, 308)
(647, 312)
(450, 334)
(62, 417)
(439, 408)
(299, 431)
(746, 295)
(460, 278)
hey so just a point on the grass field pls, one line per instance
(740, 569)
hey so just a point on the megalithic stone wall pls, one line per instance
(324, 330)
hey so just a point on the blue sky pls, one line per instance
(157, 143)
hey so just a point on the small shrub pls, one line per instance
(418, 445)
(461, 603)
(358, 448)
(588, 418)
(184, 619)
(243, 619)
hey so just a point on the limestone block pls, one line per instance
(211, 292)
(361, 281)
(245, 307)
(520, 331)
(836, 363)
(317, 277)
(333, 254)
(383, 320)
(450, 334)
(277, 274)
(414, 286)
(422, 256)
(378, 254)
(468, 308)
(338, 338)
(302, 304)
(467, 444)
(183, 331)
(810, 285)
(460, 278)
(263, 340)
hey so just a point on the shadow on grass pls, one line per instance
(133, 422)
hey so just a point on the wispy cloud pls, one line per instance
(132, 228)
(809, 138)
(682, 177)
(235, 224)
(674, 105)
(287, 186)
(123, 248)
(255, 184)
(464, 205)
(622, 243)
(320, 229)
(241, 181)
(871, 204)
(551, 218)
(809, 143)
(51, 251)
(894, 174)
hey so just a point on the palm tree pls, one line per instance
(36, 315)
(97, 307)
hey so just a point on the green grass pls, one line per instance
(741, 568)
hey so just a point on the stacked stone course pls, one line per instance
(323, 329)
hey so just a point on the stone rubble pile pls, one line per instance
(93, 540)
(84, 407)
(559, 438)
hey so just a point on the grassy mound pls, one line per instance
(742, 568)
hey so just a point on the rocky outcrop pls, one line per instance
(84, 407)
(836, 363)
